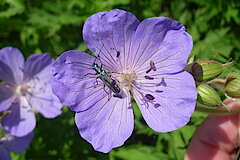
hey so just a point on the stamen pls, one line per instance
(163, 83)
(148, 77)
(148, 70)
(149, 97)
(152, 65)
(157, 105)
(158, 91)
(118, 54)
(117, 96)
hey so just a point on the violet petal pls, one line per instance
(162, 41)
(20, 120)
(35, 64)
(4, 155)
(175, 104)
(6, 74)
(15, 60)
(75, 81)
(45, 102)
(7, 97)
(109, 35)
(108, 124)
(42, 98)
(18, 144)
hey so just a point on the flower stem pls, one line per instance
(210, 110)
(228, 64)
(218, 83)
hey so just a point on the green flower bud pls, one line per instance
(208, 96)
(203, 70)
(232, 86)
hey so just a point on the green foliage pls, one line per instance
(141, 152)
(55, 26)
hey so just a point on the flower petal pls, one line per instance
(18, 144)
(162, 41)
(7, 97)
(15, 60)
(107, 124)
(4, 155)
(44, 101)
(109, 35)
(21, 120)
(36, 63)
(166, 102)
(42, 98)
(6, 74)
(75, 82)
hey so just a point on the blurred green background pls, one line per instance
(55, 26)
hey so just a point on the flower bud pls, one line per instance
(208, 96)
(232, 86)
(203, 70)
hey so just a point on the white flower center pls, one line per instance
(127, 79)
(22, 90)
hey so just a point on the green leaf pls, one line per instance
(138, 152)
(11, 8)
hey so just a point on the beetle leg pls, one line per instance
(96, 83)
(90, 74)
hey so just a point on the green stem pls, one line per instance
(218, 83)
(228, 64)
(210, 110)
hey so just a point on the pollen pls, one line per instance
(128, 80)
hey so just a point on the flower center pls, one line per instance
(128, 79)
(22, 90)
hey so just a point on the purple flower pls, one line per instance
(14, 144)
(26, 88)
(145, 60)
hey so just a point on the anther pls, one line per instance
(118, 54)
(117, 96)
(162, 83)
(149, 97)
(152, 65)
(158, 91)
(148, 70)
(148, 77)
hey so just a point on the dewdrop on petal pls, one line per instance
(208, 96)
(203, 70)
(232, 86)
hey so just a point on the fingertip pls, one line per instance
(216, 137)
(233, 103)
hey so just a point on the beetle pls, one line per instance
(106, 78)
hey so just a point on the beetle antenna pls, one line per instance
(98, 56)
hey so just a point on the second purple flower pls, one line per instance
(26, 88)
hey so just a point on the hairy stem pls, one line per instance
(210, 110)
